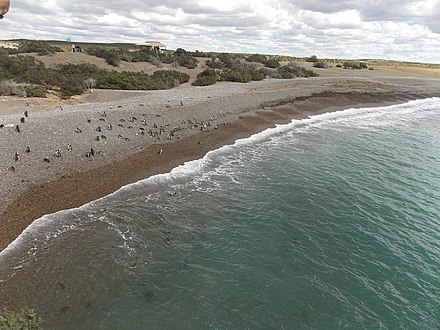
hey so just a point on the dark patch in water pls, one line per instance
(149, 296)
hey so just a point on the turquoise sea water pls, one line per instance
(326, 223)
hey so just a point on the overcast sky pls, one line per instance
(393, 29)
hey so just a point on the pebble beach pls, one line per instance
(64, 157)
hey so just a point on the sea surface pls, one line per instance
(328, 222)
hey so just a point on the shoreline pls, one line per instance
(80, 186)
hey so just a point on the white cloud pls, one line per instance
(400, 29)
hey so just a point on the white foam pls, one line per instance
(191, 167)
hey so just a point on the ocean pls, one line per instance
(328, 222)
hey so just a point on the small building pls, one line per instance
(154, 46)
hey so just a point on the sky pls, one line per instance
(405, 30)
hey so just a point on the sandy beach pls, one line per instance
(64, 155)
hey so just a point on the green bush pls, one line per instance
(34, 46)
(312, 58)
(293, 70)
(72, 85)
(17, 65)
(186, 61)
(215, 63)
(200, 54)
(82, 68)
(236, 75)
(121, 80)
(271, 63)
(204, 81)
(206, 77)
(228, 60)
(354, 65)
(20, 89)
(26, 76)
(180, 77)
(24, 319)
(162, 79)
(35, 91)
(320, 64)
(265, 72)
(111, 56)
(256, 58)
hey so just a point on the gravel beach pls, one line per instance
(53, 159)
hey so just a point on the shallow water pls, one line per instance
(327, 222)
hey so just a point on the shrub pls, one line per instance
(82, 68)
(126, 80)
(180, 77)
(204, 81)
(312, 58)
(31, 78)
(215, 63)
(35, 91)
(355, 65)
(121, 80)
(256, 58)
(320, 64)
(73, 85)
(18, 65)
(265, 72)
(111, 56)
(182, 58)
(126, 56)
(236, 75)
(186, 61)
(34, 46)
(155, 61)
(293, 70)
(271, 63)
(228, 60)
(24, 319)
(200, 54)
(10, 87)
(206, 77)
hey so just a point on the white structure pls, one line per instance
(155, 46)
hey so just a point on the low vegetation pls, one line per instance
(293, 70)
(207, 77)
(265, 60)
(179, 58)
(33, 46)
(354, 65)
(24, 319)
(241, 68)
(26, 76)
(320, 64)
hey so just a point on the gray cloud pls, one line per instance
(405, 29)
